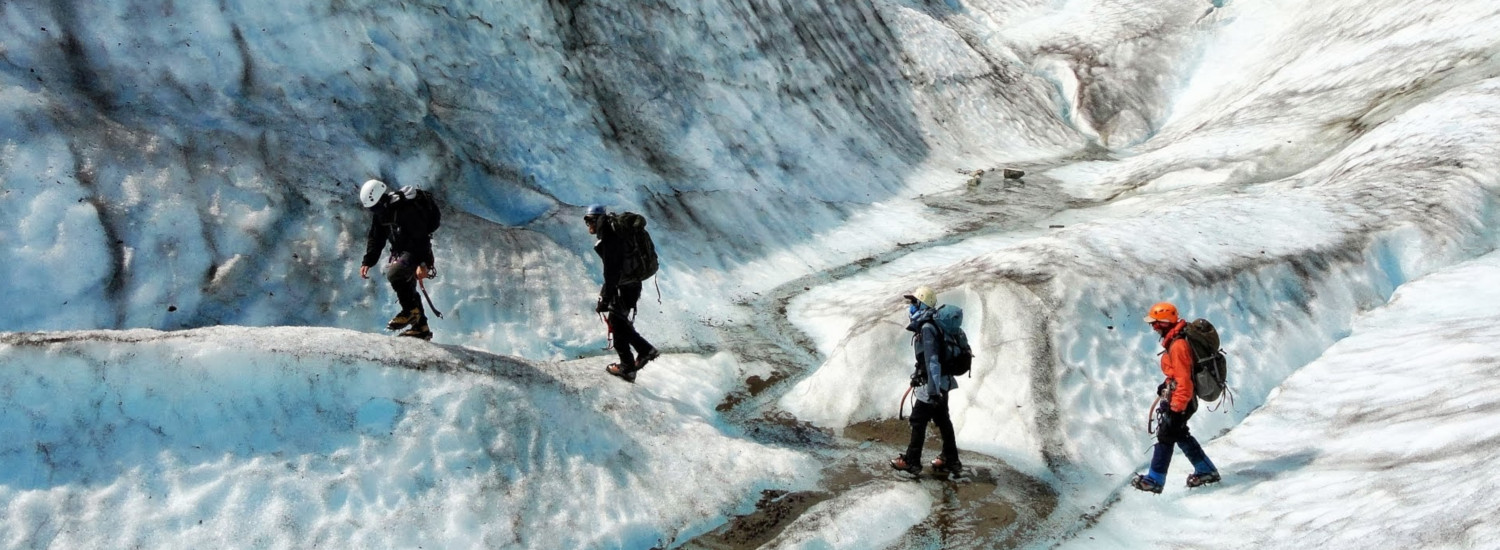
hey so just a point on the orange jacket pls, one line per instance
(1177, 364)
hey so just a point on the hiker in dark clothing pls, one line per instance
(618, 299)
(931, 389)
(399, 220)
(1178, 403)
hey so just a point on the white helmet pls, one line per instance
(370, 194)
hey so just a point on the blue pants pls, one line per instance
(1173, 430)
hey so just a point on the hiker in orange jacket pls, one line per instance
(1178, 403)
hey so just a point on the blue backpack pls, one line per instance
(955, 355)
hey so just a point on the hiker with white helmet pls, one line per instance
(1178, 403)
(930, 386)
(406, 218)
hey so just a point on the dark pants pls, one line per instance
(626, 337)
(1173, 430)
(921, 413)
(401, 271)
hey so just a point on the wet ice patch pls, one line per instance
(874, 515)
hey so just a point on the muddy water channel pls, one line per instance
(991, 506)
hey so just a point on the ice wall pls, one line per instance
(187, 164)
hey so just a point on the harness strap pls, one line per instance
(1227, 397)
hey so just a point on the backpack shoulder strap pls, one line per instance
(1179, 336)
(935, 326)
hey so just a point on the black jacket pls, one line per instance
(399, 221)
(612, 255)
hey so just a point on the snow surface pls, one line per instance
(292, 437)
(1316, 178)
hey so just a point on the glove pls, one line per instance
(917, 379)
(601, 306)
(431, 273)
(1161, 389)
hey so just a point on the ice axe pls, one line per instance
(434, 309)
(609, 331)
(901, 412)
(1151, 415)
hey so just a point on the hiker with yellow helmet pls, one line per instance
(1178, 403)
(930, 386)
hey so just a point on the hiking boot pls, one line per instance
(614, 369)
(401, 320)
(419, 328)
(1145, 484)
(899, 463)
(1198, 480)
(419, 331)
(650, 355)
(953, 466)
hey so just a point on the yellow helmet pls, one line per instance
(1163, 312)
(924, 295)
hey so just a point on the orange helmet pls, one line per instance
(1162, 312)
